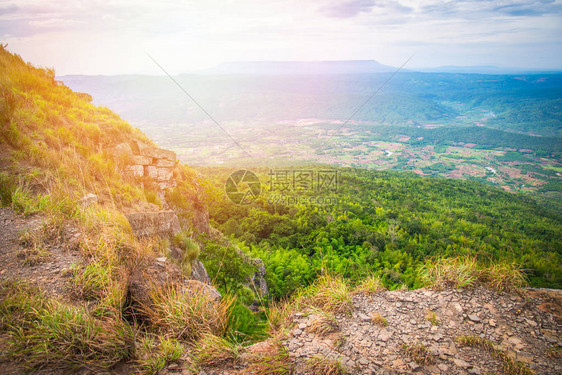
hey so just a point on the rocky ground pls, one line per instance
(520, 325)
(24, 255)
(524, 327)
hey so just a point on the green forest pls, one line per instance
(382, 223)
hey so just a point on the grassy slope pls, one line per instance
(53, 150)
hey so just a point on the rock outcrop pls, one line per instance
(161, 273)
(143, 160)
(161, 223)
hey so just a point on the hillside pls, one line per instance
(117, 258)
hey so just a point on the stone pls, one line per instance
(134, 170)
(151, 171)
(163, 173)
(164, 223)
(140, 160)
(364, 361)
(414, 366)
(154, 152)
(199, 272)
(460, 363)
(146, 278)
(165, 163)
(443, 367)
(194, 286)
(88, 200)
(474, 318)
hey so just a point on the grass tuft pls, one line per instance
(324, 324)
(187, 316)
(379, 320)
(42, 332)
(329, 293)
(213, 350)
(152, 353)
(450, 273)
(325, 366)
(432, 318)
(508, 365)
(419, 354)
(370, 285)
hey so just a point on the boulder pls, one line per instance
(165, 163)
(154, 276)
(162, 223)
(164, 174)
(193, 286)
(159, 274)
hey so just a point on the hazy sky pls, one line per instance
(113, 37)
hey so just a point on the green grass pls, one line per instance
(153, 353)
(42, 332)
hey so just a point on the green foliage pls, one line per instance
(189, 249)
(390, 225)
(226, 266)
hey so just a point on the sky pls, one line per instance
(116, 36)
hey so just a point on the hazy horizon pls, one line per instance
(115, 37)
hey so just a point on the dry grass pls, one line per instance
(329, 293)
(370, 285)
(419, 354)
(503, 277)
(324, 324)
(325, 366)
(211, 350)
(42, 332)
(274, 361)
(508, 365)
(187, 316)
(379, 320)
(450, 273)
(278, 316)
(466, 272)
(432, 318)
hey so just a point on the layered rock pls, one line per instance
(143, 160)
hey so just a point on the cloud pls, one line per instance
(347, 9)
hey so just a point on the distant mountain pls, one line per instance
(300, 67)
(484, 69)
